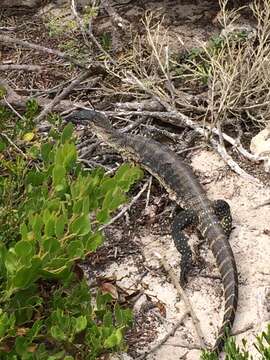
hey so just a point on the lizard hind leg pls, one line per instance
(181, 221)
(223, 213)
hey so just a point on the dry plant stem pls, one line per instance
(169, 117)
(152, 43)
(232, 164)
(89, 33)
(188, 122)
(166, 337)
(84, 153)
(186, 346)
(133, 125)
(197, 347)
(180, 120)
(84, 75)
(14, 41)
(221, 150)
(186, 300)
(19, 101)
(242, 330)
(267, 202)
(13, 144)
(147, 105)
(127, 207)
(23, 67)
(148, 192)
(12, 108)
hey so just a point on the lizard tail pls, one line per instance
(227, 267)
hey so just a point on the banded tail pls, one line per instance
(226, 264)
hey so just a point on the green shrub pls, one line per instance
(51, 209)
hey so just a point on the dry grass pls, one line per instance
(236, 69)
(240, 78)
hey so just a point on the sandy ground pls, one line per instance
(250, 241)
(190, 23)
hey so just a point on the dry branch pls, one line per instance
(8, 40)
(166, 337)
(178, 119)
(19, 101)
(84, 75)
(24, 67)
(186, 300)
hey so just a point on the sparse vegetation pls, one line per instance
(234, 352)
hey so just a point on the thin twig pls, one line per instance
(133, 125)
(185, 346)
(267, 202)
(243, 330)
(186, 300)
(84, 75)
(12, 108)
(127, 207)
(165, 338)
(15, 41)
(148, 191)
(14, 145)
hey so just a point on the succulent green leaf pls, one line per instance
(24, 277)
(94, 242)
(50, 225)
(51, 245)
(11, 262)
(80, 323)
(58, 333)
(59, 356)
(60, 225)
(2, 145)
(113, 199)
(67, 133)
(103, 216)
(59, 173)
(46, 150)
(107, 319)
(81, 225)
(21, 345)
(114, 339)
(24, 249)
(75, 249)
(126, 176)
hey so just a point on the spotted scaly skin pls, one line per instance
(184, 188)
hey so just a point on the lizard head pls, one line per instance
(91, 117)
(97, 121)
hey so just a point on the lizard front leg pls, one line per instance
(181, 221)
